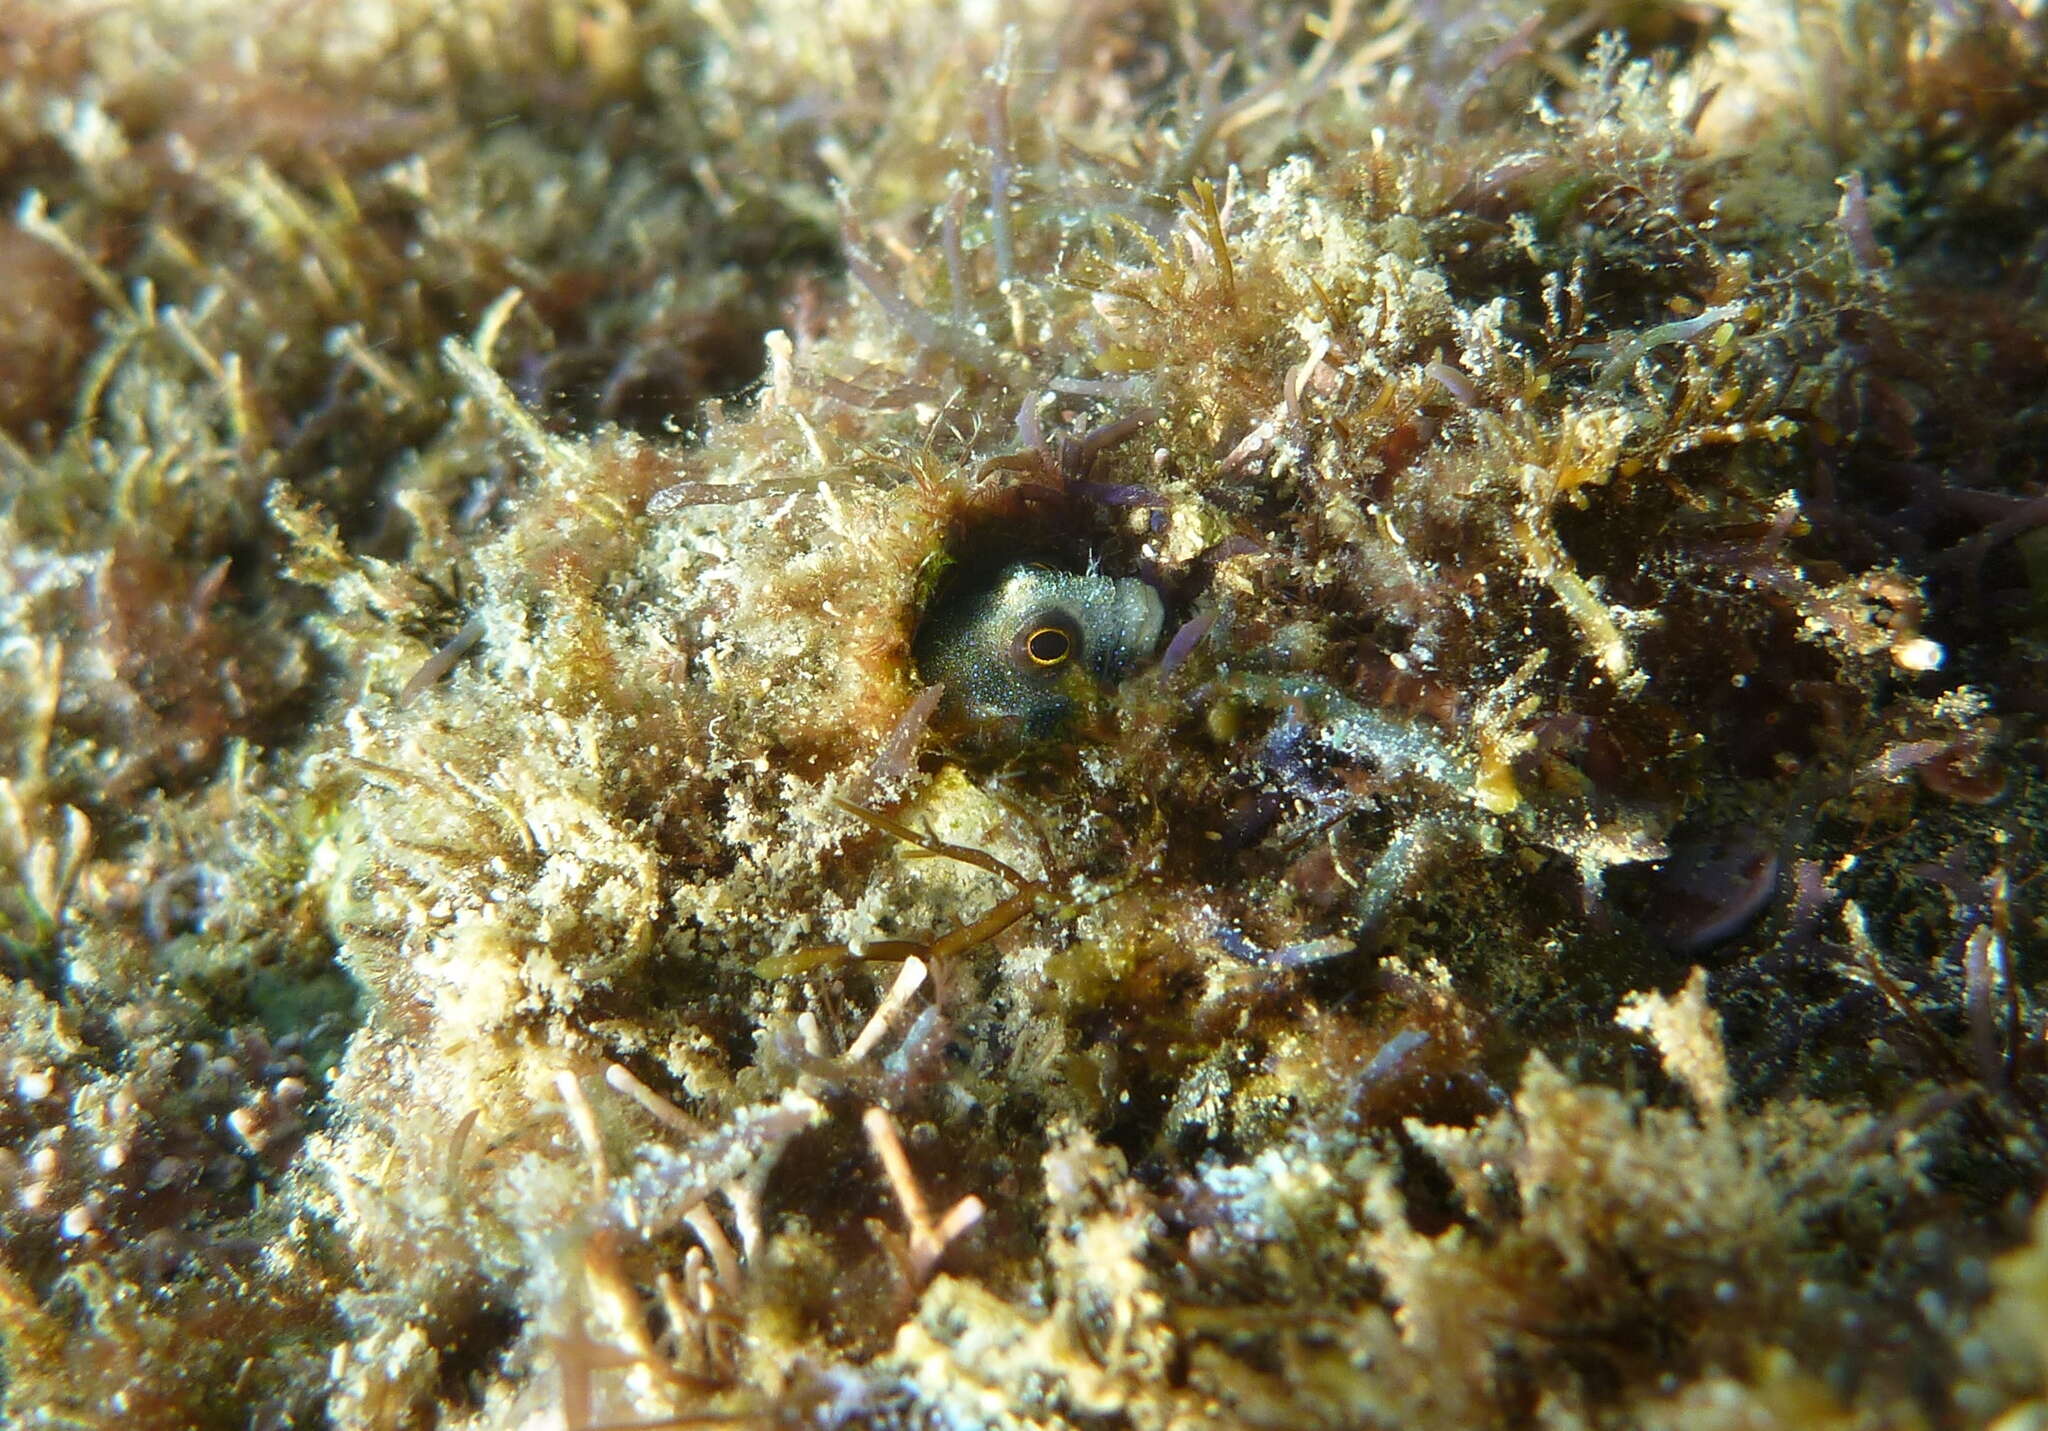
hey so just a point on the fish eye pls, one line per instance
(1048, 646)
(1044, 642)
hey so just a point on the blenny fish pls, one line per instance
(1034, 644)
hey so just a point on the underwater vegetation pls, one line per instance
(1032, 714)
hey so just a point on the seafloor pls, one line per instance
(1500, 885)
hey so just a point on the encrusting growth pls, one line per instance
(766, 715)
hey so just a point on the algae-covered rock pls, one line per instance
(1481, 870)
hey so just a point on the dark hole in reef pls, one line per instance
(1034, 521)
(471, 1348)
(655, 378)
(1427, 1192)
(1031, 522)
(1138, 1128)
(827, 1178)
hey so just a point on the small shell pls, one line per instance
(1035, 643)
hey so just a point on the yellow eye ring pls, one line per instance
(1048, 646)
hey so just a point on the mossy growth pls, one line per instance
(501, 927)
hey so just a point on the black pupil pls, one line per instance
(1048, 646)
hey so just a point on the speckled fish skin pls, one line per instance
(974, 641)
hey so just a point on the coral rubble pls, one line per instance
(1530, 918)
